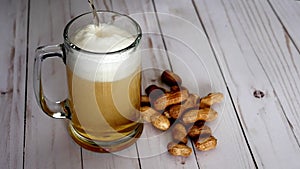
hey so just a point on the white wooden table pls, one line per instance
(247, 49)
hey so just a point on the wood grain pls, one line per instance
(194, 60)
(13, 28)
(48, 145)
(152, 146)
(251, 48)
(288, 13)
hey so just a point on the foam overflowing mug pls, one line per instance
(103, 66)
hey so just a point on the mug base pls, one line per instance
(106, 147)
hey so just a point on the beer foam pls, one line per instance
(103, 67)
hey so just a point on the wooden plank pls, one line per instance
(13, 28)
(124, 159)
(48, 144)
(194, 60)
(288, 12)
(152, 146)
(252, 48)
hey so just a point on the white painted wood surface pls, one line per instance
(13, 35)
(44, 134)
(236, 47)
(264, 63)
(285, 10)
(208, 78)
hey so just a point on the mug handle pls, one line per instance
(58, 109)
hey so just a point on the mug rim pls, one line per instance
(73, 46)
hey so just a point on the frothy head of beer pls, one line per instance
(102, 61)
(103, 38)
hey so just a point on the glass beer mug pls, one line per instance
(104, 80)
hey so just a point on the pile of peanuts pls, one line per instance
(186, 112)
